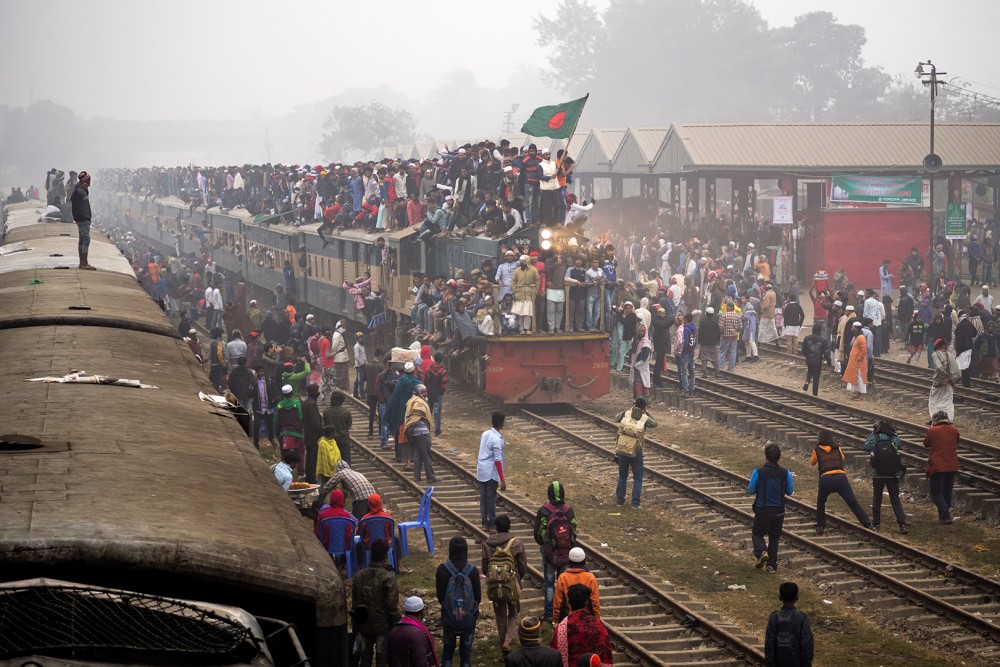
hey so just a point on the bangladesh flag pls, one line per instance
(557, 121)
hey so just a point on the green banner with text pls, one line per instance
(876, 189)
(955, 225)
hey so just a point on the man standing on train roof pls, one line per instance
(505, 274)
(80, 200)
(525, 286)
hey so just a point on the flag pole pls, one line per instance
(570, 139)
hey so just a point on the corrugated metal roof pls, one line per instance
(638, 150)
(827, 147)
(650, 140)
(609, 141)
(598, 150)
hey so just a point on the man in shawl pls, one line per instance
(856, 373)
(410, 643)
(946, 374)
(639, 367)
(768, 322)
(581, 632)
(525, 286)
(395, 409)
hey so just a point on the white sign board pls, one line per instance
(783, 211)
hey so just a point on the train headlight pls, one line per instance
(546, 244)
(546, 234)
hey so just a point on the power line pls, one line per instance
(978, 83)
(971, 94)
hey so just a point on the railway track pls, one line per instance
(895, 580)
(650, 623)
(978, 461)
(914, 382)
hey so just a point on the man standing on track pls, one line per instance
(80, 201)
(770, 484)
(490, 470)
(341, 357)
(632, 425)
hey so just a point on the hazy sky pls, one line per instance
(189, 59)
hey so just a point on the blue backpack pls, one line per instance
(459, 610)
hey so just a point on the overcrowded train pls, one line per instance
(139, 524)
(321, 271)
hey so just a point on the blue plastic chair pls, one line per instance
(378, 527)
(337, 529)
(423, 521)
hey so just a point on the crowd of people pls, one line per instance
(489, 188)
(709, 303)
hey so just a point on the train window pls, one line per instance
(329, 269)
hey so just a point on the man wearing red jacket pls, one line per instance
(942, 463)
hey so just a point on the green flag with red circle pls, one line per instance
(557, 121)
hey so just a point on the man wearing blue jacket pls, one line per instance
(770, 483)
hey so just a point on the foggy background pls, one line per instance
(125, 83)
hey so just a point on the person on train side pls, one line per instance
(555, 292)
(505, 274)
(525, 282)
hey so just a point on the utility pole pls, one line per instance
(508, 123)
(932, 163)
(267, 144)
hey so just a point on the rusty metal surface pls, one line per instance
(539, 369)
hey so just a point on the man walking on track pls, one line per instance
(80, 201)
(770, 484)
(833, 479)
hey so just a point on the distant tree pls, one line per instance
(662, 60)
(824, 73)
(708, 60)
(365, 127)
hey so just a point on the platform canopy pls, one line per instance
(820, 149)
(639, 149)
(597, 152)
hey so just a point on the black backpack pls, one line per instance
(885, 459)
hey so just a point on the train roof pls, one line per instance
(32, 245)
(139, 478)
(35, 297)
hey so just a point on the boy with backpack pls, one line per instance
(505, 566)
(555, 533)
(789, 637)
(887, 469)
(459, 592)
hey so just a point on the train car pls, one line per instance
(543, 369)
(142, 513)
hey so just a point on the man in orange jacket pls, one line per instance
(576, 573)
